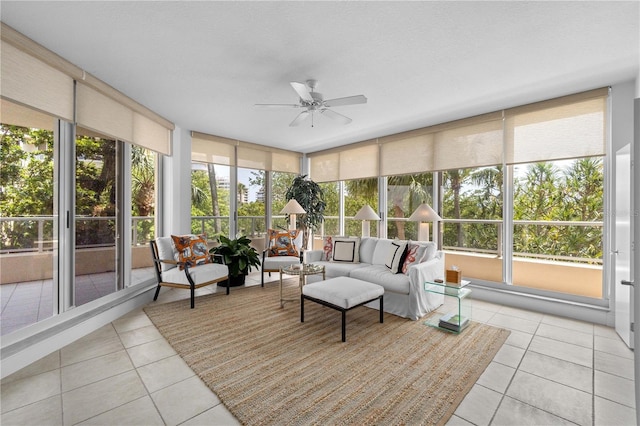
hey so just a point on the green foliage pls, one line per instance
(238, 254)
(311, 197)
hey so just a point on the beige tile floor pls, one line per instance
(551, 371)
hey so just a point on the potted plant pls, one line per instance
(311, 197)
(239, 256)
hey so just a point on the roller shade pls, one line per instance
(394, 157)
(467, 146)
(324, 167)
(18, 115)
(568, 127)
(38, 78)
(356, 161)
(207, 148)
(103, 114)
(29, 81)
(213, 149)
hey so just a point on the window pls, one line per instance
(404, 194)
(558, 211)
(280, 183)
(27, 242)
(359, 192)
(210, 194)
(472, 201)
(251, 202)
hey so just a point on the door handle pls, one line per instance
(625, 282)
(615, 252)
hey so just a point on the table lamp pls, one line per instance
(292, 209)
(424, 214)
(365, 214)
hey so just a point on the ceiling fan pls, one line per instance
(313, 102)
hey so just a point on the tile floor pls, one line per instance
(551, 371)
(25, 303)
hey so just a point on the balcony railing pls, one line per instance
(35, 233)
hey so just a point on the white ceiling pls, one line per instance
(204, 64)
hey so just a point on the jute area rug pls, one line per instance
(269, 368)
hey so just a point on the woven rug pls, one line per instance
(269, 368)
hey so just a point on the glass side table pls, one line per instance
(302, 270)
(455, 313)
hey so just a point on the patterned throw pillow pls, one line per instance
(192, 249)
(395, 255)
(281, 243)
(414, 254)
(327, 248)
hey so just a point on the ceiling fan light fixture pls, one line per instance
(314, 101)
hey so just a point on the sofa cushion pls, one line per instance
(192, 249)
(367, 247)
(339, 269)
(395, 255)
(381, 275)
(282, 243)
(346, 250)
(327, 248)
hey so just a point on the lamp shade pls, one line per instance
(424, 213)
(366, 213)
(293, 207)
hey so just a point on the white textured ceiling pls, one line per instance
(203, 64)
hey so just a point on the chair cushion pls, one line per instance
(199, 274)
(282, 243)
(192, 249)
(166, 251)
(274, 263)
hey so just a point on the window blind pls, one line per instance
(568, 127)
(38, 78)
(18, 115)
(467, 145)
(213, 149)
(355, 161)
(31, 82)
(395, 149)
(207, 148)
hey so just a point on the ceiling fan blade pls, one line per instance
(334, 115)
(299, 119)
(349, 100)
(302, 91)
(262, 106)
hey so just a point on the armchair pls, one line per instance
(283, 248)
(169, 272)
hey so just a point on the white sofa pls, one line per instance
(404, 293)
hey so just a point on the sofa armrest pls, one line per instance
(313, 256)
(427, 271)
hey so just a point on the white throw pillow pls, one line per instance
(346, 250)
(415, 254)
(395, 255)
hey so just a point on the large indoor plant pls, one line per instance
(311, 197)
(239, 256)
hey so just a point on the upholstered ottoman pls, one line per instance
(342, 294)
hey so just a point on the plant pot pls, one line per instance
(233, 281)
